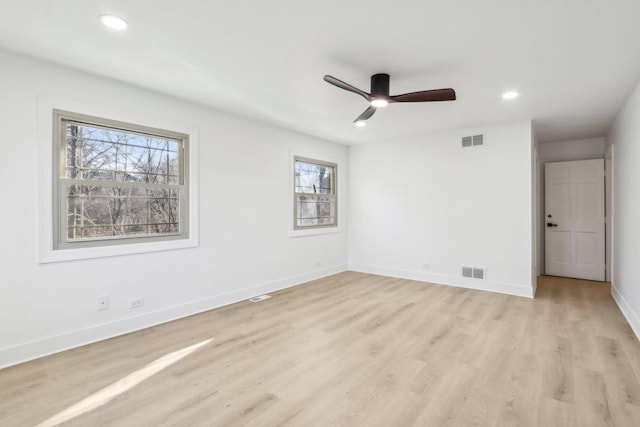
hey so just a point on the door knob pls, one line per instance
(550, 224)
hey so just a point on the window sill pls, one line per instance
(62, 255)
(314, 231)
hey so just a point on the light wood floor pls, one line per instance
(353, 350)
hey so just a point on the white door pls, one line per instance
(574, 219)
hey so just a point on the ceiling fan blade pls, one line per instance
(346, 86)
(426, 96)
(366, 114)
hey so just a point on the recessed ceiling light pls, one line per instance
(510, 95)
(379, 103)
(113, 22)
(360, 123)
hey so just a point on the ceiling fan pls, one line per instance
(379, 96)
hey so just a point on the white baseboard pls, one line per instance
(441, 279)
(627, 311)
(43, 347)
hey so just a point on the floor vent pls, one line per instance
(473, 272)
(472, 141)
(259, 298)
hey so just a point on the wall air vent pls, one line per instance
(472, 141)
(473, 272)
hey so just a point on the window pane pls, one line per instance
(315, 210)
(109, 211)
(313, 178)
(113, 155)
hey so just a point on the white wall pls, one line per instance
(242, 164)
(426, 200)
(577, 149)
(564, 151)
(625, 137)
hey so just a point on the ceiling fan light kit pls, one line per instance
(379, 95)
(379, 103)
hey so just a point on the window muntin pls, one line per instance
(118, 183)
(315, 194)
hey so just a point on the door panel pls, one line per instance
(587, 217)
(559, 173)
(589, 171)
(574, 219)
(559, 195)
(586, 248)
(561, 247)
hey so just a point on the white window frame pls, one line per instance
(314, 229)
(49, 168)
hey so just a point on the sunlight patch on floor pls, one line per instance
(108, 393)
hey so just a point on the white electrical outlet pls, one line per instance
(426, 266)
(136, 302)
(103, 302)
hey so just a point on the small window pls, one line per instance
(315, 194)
(117, 183)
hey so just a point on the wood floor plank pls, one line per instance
(353, 349)
(592, 400)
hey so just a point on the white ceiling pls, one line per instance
(573, 61)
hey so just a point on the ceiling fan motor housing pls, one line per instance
(380, 85)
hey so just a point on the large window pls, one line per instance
(117, 183)
(315, 194)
